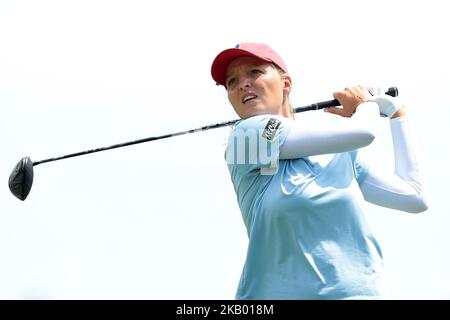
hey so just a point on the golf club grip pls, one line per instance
(392, 91)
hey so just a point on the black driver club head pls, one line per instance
(21, 178)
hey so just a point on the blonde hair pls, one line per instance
(282, 72)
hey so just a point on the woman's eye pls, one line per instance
(256, 71)
(230, 82)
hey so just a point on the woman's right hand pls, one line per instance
(350, 99)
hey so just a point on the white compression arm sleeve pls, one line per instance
(403, 189)
(339, 134)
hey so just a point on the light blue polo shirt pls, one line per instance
(308, 237)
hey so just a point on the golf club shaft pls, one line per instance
(129, 143)
(315, 106)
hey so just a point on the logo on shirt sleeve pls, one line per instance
(271, 128)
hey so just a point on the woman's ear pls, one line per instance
(287, 82)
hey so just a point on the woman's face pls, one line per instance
(256, 87)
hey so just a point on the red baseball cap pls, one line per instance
(259, 50)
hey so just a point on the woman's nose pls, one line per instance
(244, 83)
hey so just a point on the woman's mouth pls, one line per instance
(248, 98)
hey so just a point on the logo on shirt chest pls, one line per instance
(271, 128)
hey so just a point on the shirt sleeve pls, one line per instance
(390, 191)
(332, 134)
(403, 188)
(254, 144)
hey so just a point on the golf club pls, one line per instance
(21, 178)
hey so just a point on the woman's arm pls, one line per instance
(403, 189)
(339, 134)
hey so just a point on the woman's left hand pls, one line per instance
(350, 99)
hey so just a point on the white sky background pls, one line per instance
(160, 220)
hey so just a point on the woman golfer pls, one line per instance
(301, 186)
